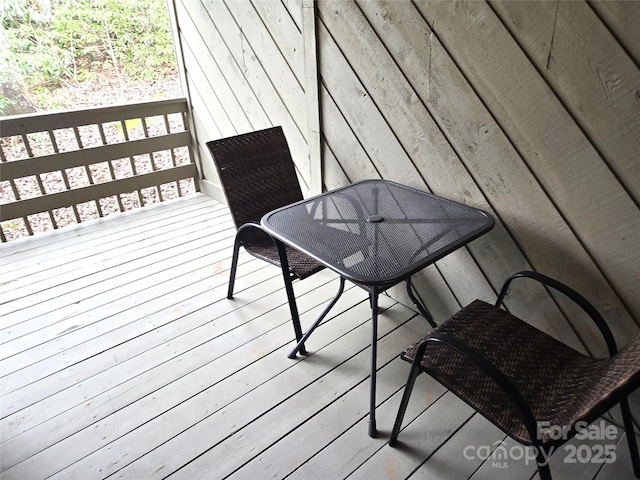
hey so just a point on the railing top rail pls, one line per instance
(39, 122)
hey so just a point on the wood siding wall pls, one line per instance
(529, 110)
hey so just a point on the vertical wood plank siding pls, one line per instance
(530, 110)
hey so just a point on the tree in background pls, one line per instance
(49, 42)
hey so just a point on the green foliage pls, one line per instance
(15, 12)
(37, 55)
(4, 103)
(31, 49)
(130, 34)
(78, 38)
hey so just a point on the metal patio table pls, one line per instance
(376, 234)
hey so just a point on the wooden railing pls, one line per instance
(62, 168)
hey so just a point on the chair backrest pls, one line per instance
(257, 173)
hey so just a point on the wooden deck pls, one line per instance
(122, 358)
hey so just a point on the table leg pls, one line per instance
(317, 322)
(419, 304)
(374, 356)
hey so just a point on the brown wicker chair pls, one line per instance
(258, 175)
(521, 379)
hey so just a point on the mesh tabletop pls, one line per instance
(377, 232)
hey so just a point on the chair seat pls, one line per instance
(560, 385)
(260, 244)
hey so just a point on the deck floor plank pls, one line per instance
(506, 467)
(228, 405)
(420, 439)
(50, 243)
(121, 357)
(54, 308)
(620, 466)
(324, 446)
(110, 265)
(447, 463)
(310, 402)
(69, 376)
(170, 355)
(112, 242)
(109, 297)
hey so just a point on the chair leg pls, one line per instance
(234, 267)
(542, 457)
(413, 374)
(291, 298)
(631, 436)
(293, 308)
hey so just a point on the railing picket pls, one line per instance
(63, 174)
(43, 191)
(27, 146)
(167, 128)
(185, 126)
(172, 152)
(27, 225)
(154, 168)
(125, 133)
(16, 196)
(67, 185)
(87, 170)
(54, 142)
(112, 172)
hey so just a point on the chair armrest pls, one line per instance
(250, 225)
(256, 225)
(282, 252)
(477, 358)
(573, 295)
(279, 245)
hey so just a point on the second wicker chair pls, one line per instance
(258, 175)
(527, 383)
